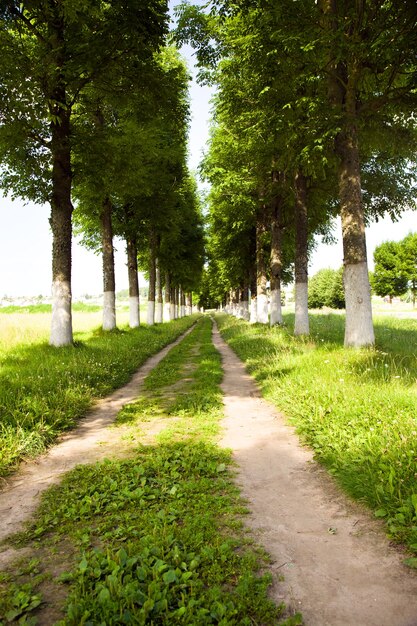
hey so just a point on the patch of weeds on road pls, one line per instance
(355, 407)
(159, 538)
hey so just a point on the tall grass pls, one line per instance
(44, 390)
(356, 408)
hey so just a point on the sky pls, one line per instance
(26, 240)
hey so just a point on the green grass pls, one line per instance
(44, 390)
(357, 409)
(158, 538)
(47, 308)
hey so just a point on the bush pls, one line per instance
(326, 289)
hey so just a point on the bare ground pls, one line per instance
(338, 567)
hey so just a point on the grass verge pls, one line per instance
(44, 390)
(156, 539)
(356, 408)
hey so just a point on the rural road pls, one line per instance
(337, 564)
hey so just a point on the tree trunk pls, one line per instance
(173, 309)
(132, 270)
(276, 262)
(182, 302)
(109, 288)
(61, 225)
(253, 307)
(150, 318)
(159, 299)
(244, 302)
(261, 296)
(177, 302)
(189, 303)
(167, 306)
(343, 72)
(359, 329)
(301, 326)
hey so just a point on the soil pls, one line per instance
(330, 558)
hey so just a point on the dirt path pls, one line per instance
(338, 566)
(91, 441)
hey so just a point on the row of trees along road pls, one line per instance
(314, 117)
(396, 268)
(93, 108)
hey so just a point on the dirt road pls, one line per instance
(337, 566)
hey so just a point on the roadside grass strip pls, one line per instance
(45, 390)
(158, 538)
(357, 408)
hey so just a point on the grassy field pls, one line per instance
(44, 390)
(356, 408)
(158, 538)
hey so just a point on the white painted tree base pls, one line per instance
(134, 315)
(301, 324)
(182, 313)
(172, 311)
(109, 310)
(359, 329)
(245, 310)
(276, 309)
(262, 309)
(188, 310)
(158, 313)
(61, 323)
(253, 311)
(150, 313)
(167, 312)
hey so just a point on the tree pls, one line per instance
(389, 277)
(51, 52)
(408, 259)
(326, 289)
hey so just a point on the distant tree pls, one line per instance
(408, 259)
(390, 277)
(326, 289)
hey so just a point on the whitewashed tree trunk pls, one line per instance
(189, 304)
(276, 255)
(150, 313)
(261, 297)
(109, 310)
(158, 290)
(132, 267)
(134, 315)
(301, 325)
(253, 317)
(61, 326)
(109, 284)
(359, 329)
(167, 304)
(262, 308)
(172, 304)
(182, 303)
(276, 309)
(61, 225)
